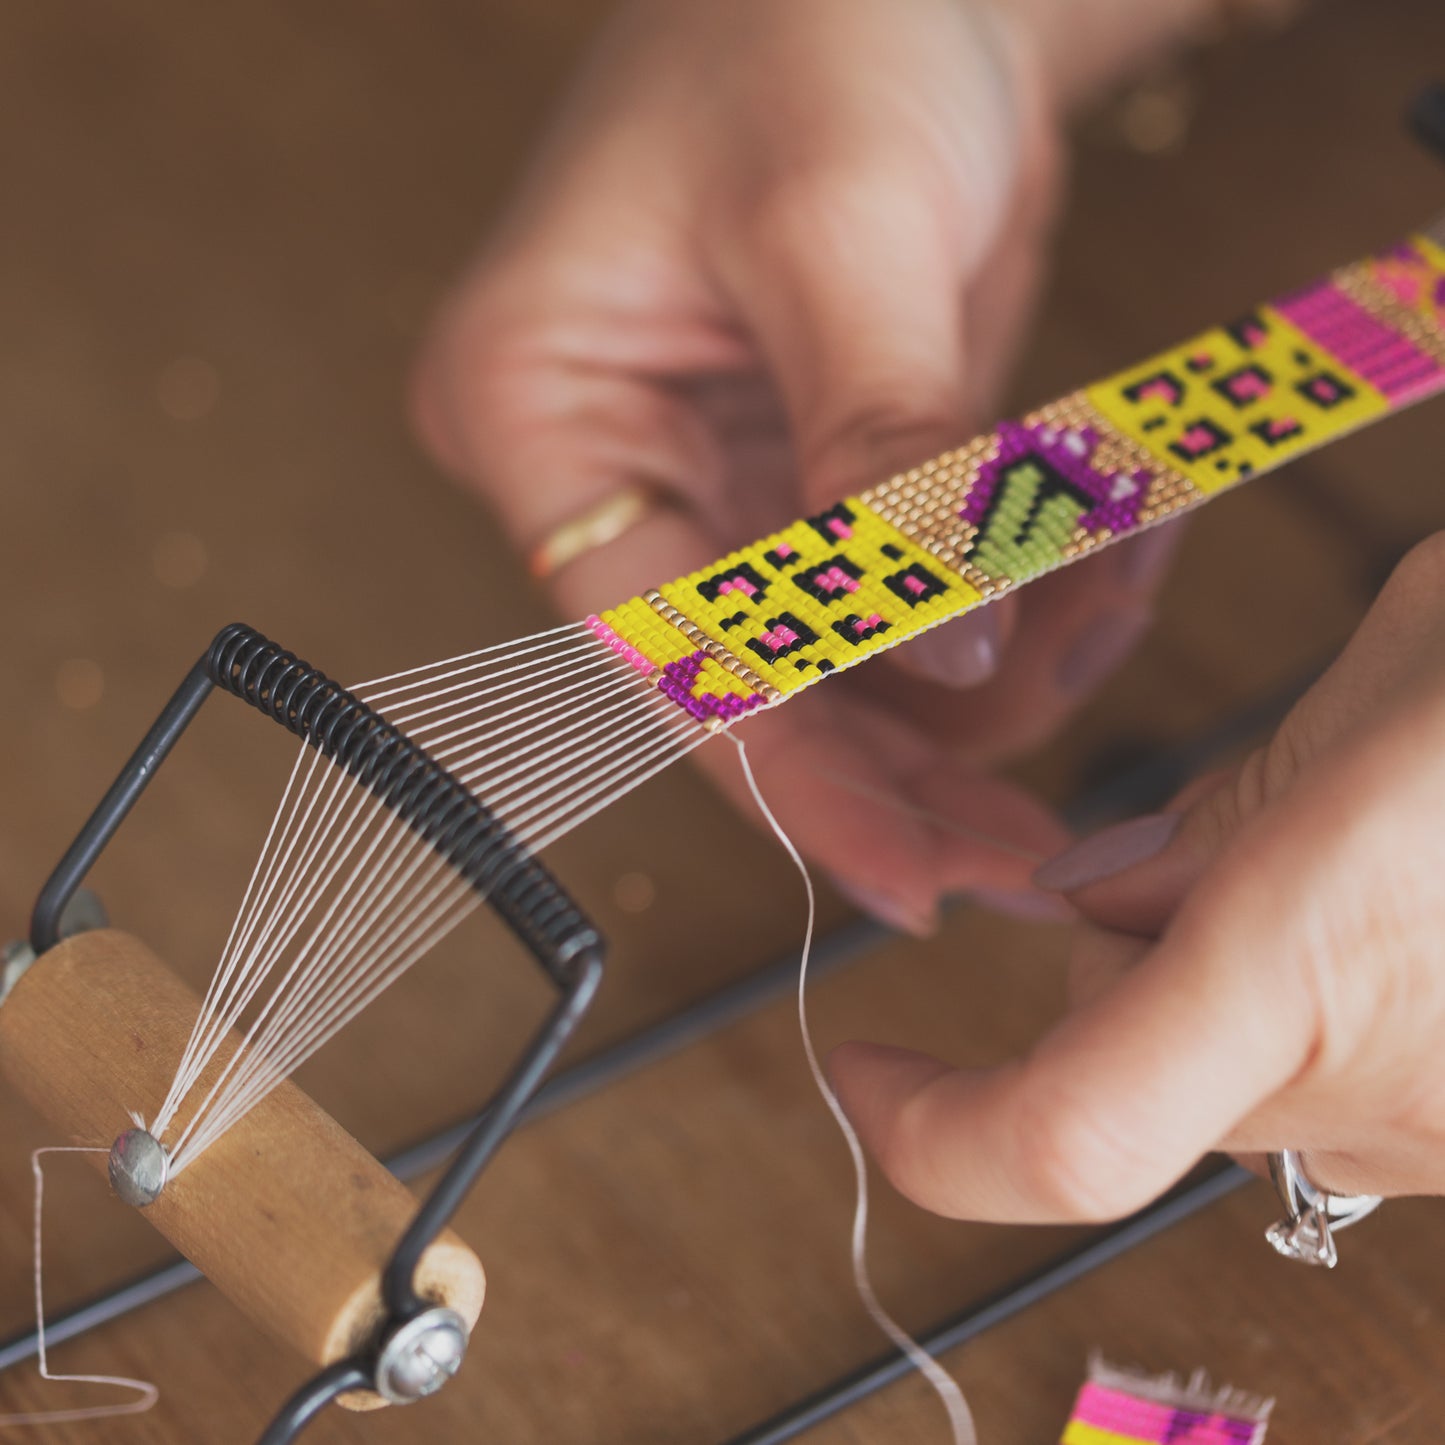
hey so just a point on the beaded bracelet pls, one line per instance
(1100, 464)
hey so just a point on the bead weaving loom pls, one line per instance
(418, 796)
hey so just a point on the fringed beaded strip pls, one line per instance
(1098, 465)
(1124, 1407)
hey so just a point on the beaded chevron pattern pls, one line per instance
(1101, 463)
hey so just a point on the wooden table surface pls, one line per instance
(221, 229)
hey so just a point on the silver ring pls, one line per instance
(1307, 1233)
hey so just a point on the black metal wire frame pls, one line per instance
(313, 1397)
(441, 810)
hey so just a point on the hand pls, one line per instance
(1261, 969)
(772, 254)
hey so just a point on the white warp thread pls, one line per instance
(959, 1416)
(346, 896)
(148, 1393)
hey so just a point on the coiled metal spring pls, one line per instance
(401, 775)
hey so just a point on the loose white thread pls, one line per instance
(147, 1392)
(959, 1415)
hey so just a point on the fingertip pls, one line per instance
(898, 1101)
(1108, 853)
(914, 916)
(984, 833)
(829, 791)
(1027, 905)
(1145, 558)
(959, 654)
(865, 1053)
(874, 1082)
(847, 1064)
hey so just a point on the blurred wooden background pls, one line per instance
(221, 230)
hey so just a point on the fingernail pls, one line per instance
(1144, 559)
(856, 1054)
(1101, 650)
(1108, 852)
(891, 912)
(1026, 905)
(871, 1053)
(958, 654)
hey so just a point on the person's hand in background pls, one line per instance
(1258, 970)
(772, 254)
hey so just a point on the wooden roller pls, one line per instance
(285, 1213)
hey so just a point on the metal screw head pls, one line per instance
(139, 1167)
(420, 1356)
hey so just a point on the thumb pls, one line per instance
(1112, 1106)
(853, 291)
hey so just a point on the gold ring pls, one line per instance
(594, 528)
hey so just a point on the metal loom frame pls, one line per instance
(438, 808)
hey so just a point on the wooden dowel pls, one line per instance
(285, 1213)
